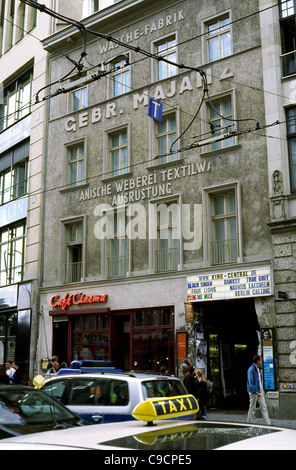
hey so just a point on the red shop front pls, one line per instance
(139, 339)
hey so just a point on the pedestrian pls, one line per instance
(164, 370)
(9, 369)
(51, 363)
(4, 379)
(188, 380)
(201, 392)
(19, 377)
(191, 368)
(255, 390)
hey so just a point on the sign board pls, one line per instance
(155, 109)
(235, 284)
(268, 358)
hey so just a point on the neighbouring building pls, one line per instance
(164, 229)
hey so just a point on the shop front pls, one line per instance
(15, 324)
(133, 339)
(227, 332)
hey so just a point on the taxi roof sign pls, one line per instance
(164, 408)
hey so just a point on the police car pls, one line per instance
(108, 396)
(167, 441)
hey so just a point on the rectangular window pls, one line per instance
(288, 32)
(120, 76)
(98, 5)
(167, 49)
(17, 100)
(118, 153)
(13, 183)
(73, 267)
(166, 134)
(220, 115)
(79, 99)
(167, 253)
(287, 8)
(118, 249)
(291, 131)
(219, 38)
(12, 249)
(76, 163)
(224, 221)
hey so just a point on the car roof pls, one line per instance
(95, 437)
(131, 376)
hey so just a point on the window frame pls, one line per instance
(166, 53)
(78, 143)
(291, 136)
(154, 136)
(205, 35)
(207, 195)
(64, 244)
(123, 69)
(107, 164)
(9, 263)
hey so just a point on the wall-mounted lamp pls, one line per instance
(282, 295)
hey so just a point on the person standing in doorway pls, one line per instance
(188, 380)
(255, 390)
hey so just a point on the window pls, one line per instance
(220, 115)
(17, 100)
(90, 337)
(12, 249)
(291, 131)
(288, 30)
(118, 248)
(120, 76)
(79, 99)
(153, 340)
(97, 5)
(168, 239)
(73, 267)
(166, 134)
(287, 8)
(224, 220)
(167, 49)
(76, 164)
(218, 38)
(8, 329)
(118, 153)
(13, 183)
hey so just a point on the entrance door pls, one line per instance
(230, 328)
(60, 340)
(120, 340)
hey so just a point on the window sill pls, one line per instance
(213, 153)
(68, 188)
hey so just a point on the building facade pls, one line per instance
(158, 239)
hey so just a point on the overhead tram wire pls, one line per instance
(136, 49)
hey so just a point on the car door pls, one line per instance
(99, 400)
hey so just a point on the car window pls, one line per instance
(27, 408)
(98, 392)
(55, 388)
(119, 395)
(86, 391)
(162, 388)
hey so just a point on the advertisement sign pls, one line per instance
(268, 358)
(234, 284)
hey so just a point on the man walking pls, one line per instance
(255, 390)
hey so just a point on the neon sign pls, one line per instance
(76, 299)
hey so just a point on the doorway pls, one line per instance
(60, 340)
(231, 332)
(120, 334)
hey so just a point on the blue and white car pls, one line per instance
(108, 397)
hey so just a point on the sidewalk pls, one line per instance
(240, 416)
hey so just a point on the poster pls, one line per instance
(268, 358)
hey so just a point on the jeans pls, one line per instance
(252, 408)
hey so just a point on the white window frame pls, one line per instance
(108, 173)
(155, 63)
(66, 167)
(207, 195)
(206, 130)
(205, 36)
(153, 230)
(63, 245)
(117, 75)
(153, 125)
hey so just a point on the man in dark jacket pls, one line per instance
(188, 380)
(255, 390)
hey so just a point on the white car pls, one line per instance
(167, 441)
(104, 397)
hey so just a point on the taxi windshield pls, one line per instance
(155, 388)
